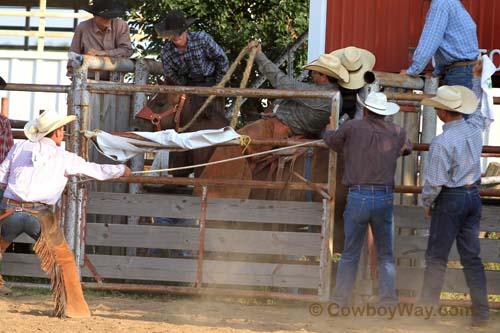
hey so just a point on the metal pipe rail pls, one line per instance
(107, 88)
(52, 88)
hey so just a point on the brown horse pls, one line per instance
(310, 164)
(175, 110)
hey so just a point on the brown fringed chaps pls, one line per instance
(58, 262)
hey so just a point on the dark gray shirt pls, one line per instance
(370, 147)
(302, 115)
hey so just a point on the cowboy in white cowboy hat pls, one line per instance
(190, 58)
(370, 148)
(34, 175)
(450, 194)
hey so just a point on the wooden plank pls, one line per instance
(265, 211)
(20, 264)
(413, 217)
(411, 279)
(179, 270)
(217, 240)
(410, 162)
(414, 247)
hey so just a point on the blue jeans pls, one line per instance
(363, 208)
(19, 222)
(459, 76)
(456, 217)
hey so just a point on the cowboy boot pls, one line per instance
(3, 247)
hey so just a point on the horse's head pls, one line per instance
(162, 111)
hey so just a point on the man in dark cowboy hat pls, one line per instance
(103, 35)
(190, 58)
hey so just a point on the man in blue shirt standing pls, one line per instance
(450, 194)
(190, 58)
(449, 35)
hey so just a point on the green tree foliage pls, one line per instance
(232, 23)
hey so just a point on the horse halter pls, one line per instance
(155, 118)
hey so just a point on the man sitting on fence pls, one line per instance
(370, 147)
(34, 175)
(304, 117)
(450, 194)
(103, 35)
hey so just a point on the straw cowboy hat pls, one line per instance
(357, 61)
(47, 122)
(105, 8)
(175, 24)
(377, 103)
(453, 98)
(329, 65)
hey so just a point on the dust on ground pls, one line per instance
(23, 312)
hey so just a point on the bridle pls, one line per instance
(155, 118)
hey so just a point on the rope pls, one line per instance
(227, 160)
(243, 84)
(221, 84)
(245, 140)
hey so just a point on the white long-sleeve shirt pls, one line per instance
(39, 171)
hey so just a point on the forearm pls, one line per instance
(429, 194)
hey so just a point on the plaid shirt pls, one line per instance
(6, 141)
(202, 59)
(454, 155)
(449, 35)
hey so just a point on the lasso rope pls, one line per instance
(227, 160)
(221, 84)
(243, 84)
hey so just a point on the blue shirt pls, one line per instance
(454, 155)
(203, 58)
(449, 35)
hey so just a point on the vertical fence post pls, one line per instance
(137, 163)
(5, 107)
(429, 123)
(80, 108)
(327, 229)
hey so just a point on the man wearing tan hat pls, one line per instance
(294, 116)
(370, 149)
(450, 194)
(305, 116)
(357, 61)
(34, 175)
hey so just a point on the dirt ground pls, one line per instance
(25, 312)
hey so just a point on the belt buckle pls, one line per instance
(19, 209)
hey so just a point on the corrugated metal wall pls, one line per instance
(33, 67)
(390, 28)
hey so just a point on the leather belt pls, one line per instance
(372, 188)
(462, 63)
(15, 203)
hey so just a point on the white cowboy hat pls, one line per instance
(47, 122)
(377, 102)
(453, 98)
(329, 65)
(357, 61)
